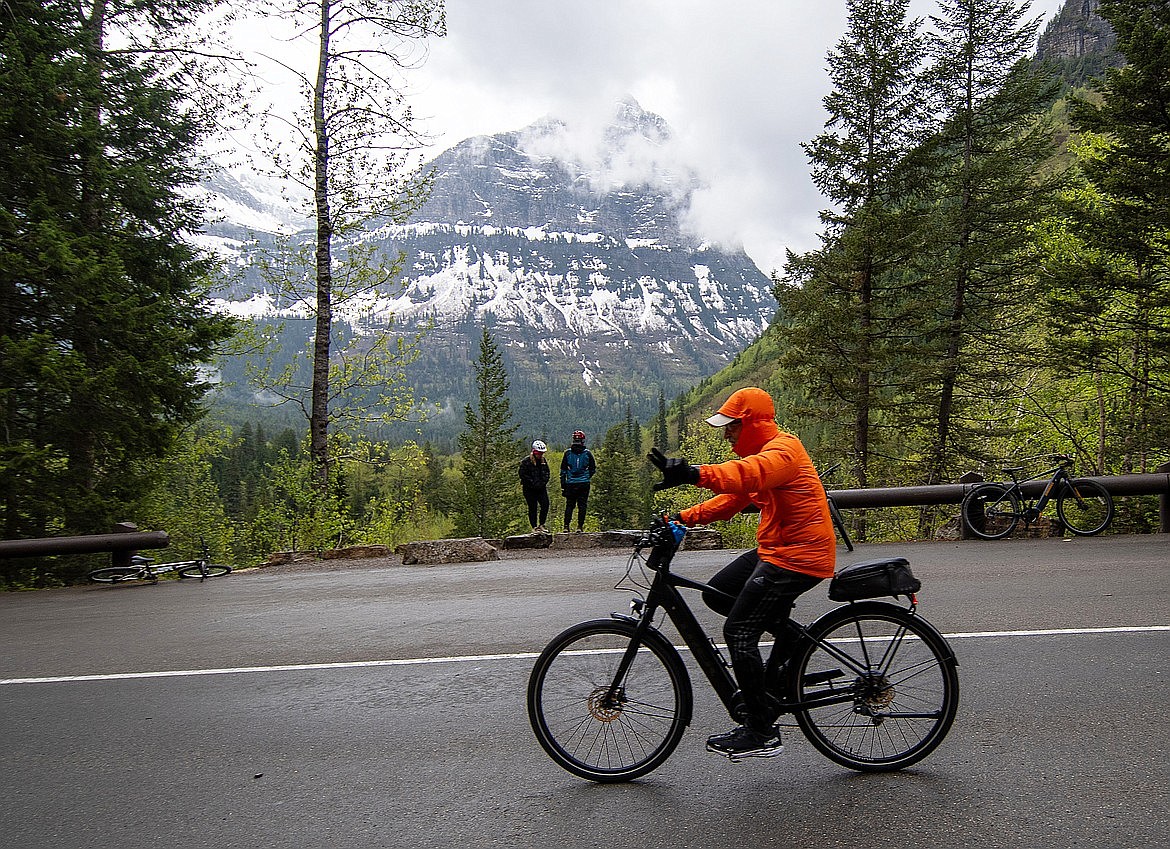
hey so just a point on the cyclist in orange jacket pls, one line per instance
(796, 548)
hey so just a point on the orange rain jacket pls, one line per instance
(776, 474)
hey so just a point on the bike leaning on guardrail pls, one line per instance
(872, 685)
(993, 510)
(145, 569)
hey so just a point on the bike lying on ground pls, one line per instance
(871, 684)
(145, 569)
(993, 510)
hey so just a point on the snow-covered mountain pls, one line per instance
(577, 256)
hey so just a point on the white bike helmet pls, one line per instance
(539, 446)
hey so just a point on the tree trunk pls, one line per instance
(864, 384)
(82, 452)
(319, 410)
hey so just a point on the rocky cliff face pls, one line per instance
(1078, 32)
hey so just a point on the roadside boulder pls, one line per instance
(527, 541)
(432, 552)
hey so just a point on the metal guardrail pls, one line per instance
(1157, 483)
(122, 544)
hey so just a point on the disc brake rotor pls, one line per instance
(605, 709)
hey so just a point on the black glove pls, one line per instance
(676, 471)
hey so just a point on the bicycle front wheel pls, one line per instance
(211, 570)
(597, 732)
(116, 574)
(1085, 507)
(991, 511)
(878, 687)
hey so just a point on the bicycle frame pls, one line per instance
(150, 570)
(1059, 475)
(664, 594)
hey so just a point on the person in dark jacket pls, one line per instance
(577, 469)
(534, 475)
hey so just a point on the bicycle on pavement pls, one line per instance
(871, 684)
(143, 568)
(993, 510)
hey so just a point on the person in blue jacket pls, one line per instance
(577, 469)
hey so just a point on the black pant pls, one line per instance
(763, 595)
(576, 495)
(536, 498)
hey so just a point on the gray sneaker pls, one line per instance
(743, 742)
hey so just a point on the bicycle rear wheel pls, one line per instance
(598, 738)
(116, 574)
(1085, 507)
(991, 511)
(211, 570)
(880, 685)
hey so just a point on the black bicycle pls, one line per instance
(144, 568)
(994, 510)
(871, 684)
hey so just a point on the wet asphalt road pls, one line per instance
(1061, 740)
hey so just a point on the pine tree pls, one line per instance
(661, 435)
(103, 318)
(614, 496)
(490, 450)
(844, 300)
(633, 432)
(987, 190)
(1111, 286)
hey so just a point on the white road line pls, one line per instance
(483, 658)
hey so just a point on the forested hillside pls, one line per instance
(989, 289)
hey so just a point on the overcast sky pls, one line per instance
(740, 83)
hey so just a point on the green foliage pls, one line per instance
(490, 451)
(104, 321)
(1110, 291)
(985, 301)
(380, 495)
(185, 500)
(617, 495)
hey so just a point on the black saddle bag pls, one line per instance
(874, 579)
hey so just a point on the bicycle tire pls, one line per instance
(839, 524)
(1085, 507)
(116, 574)
(600, 742)
(214, 570)
(991, 511)
(902, 678)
